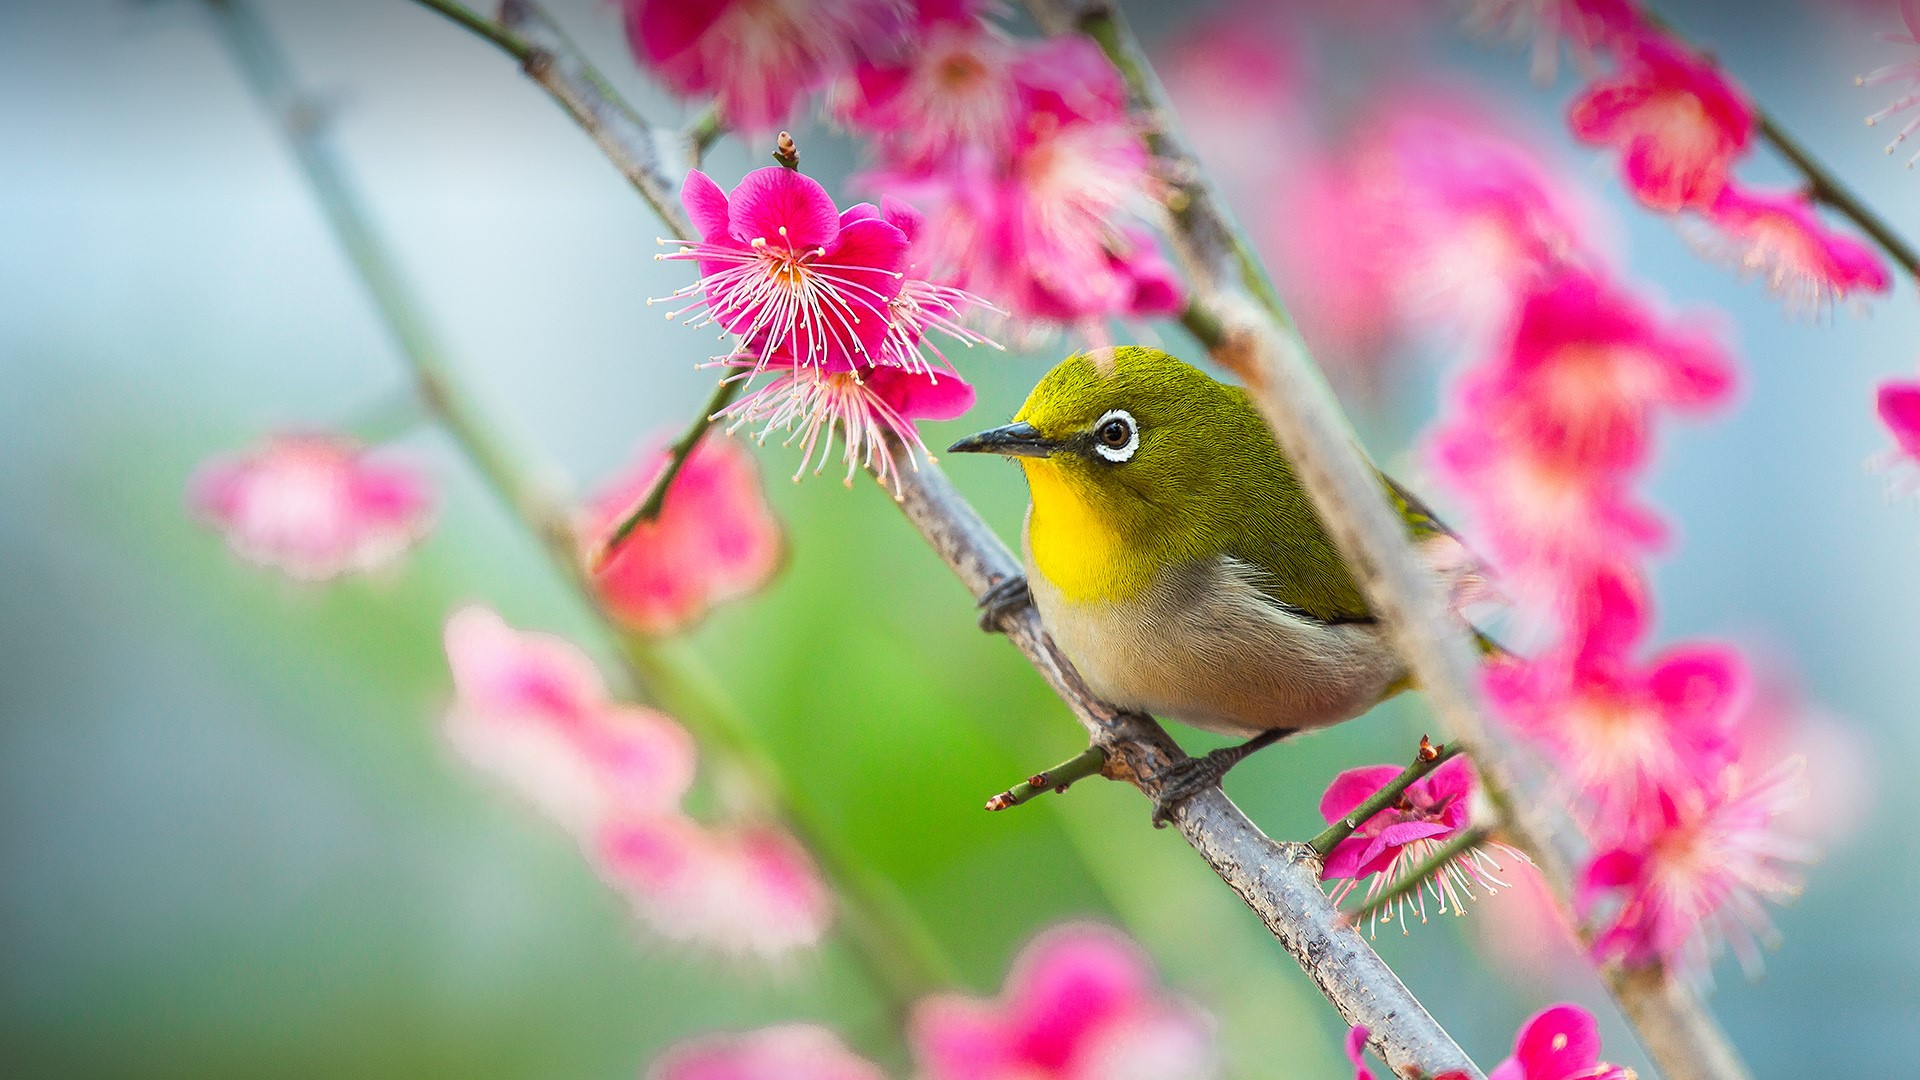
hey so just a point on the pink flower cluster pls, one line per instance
(313, 506)
(1037, 183)
(1545, 441)
(1080, 1004)
(1680, 125)
(1557, 1043)
(714, 541)
(531, 711)
(1392, 843)
(834, 303)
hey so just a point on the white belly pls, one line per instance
(1205, 647)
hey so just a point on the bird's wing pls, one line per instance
(1292, 569)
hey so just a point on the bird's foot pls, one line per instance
(1185, 779)
(1002, 600)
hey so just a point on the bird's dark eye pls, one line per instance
(1116, 436)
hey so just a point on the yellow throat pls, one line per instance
(1075, 546)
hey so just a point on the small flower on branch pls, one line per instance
(1778, 237)
(1558, 1043)
(782, 269)
(1079, 1004)
(715, 539)
(1389, 846)
(1676, 119)
(312, 505)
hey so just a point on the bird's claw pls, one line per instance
(1183, 780)
(1005, 598)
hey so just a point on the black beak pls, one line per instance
(1014, 440)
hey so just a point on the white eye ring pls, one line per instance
(1116, 454)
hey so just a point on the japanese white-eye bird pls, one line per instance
(1177, 561)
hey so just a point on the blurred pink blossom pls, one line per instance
(1584, 26)
(1044, 217)
(1700, 877)
(1235, 78)
(715, 539)
(757, 58)
(1588, 368)
(1677, 121)
(1622, 732)
(1898, 403)
(785, 271)
(949, 97)
(312, 505)
(1905, 72)
(530, 710)
(749, 891)
(1780, 238)
(787, 1052)
(1558, 1043)
(1079, 1004)
(1433, 810)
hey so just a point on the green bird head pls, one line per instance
(1136, 460)
(1134, 431)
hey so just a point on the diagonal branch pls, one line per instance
(1280, 882)
(897, 951)
(1235, 312)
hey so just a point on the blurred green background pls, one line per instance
(230, 842)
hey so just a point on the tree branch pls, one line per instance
(1089, 762)
(898, 953)
(1236, 313)
(1280, 882)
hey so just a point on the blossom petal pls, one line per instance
(706, 205)
(784, 207)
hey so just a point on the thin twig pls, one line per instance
(900, 955)
(650, 504)
(1280, 882)
(1412, 880)
(705, 130)
(1088, 762)
(1428, 759)
(1247, 330)
(1823, 185)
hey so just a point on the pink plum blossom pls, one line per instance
(1676, 119)
(715, 539)
(1558, 1043)
(1906, 73)
(1236, 78)
(1584, 26)
(531, 710)
(787, 1052)
(1388, 845)
(314, 506)
(749, 890)
(1699, 877)
(1623, 732)
(950, 96)
(757, 58)
(872, 408)
(1779, 238)
(785, 271)
(1079, 1004)
(1542, 519)
(1898, 403)
(1046, 219)
(1589, 367)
